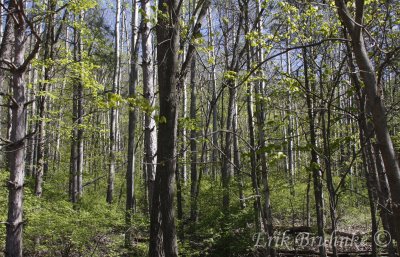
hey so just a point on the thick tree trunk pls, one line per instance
(170, 81)
(163, 195)
(16, 152)
(16, 147)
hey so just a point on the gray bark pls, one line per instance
(16, 147)
(162, 203)
(130, 204)
(150, 133)
(193, 144)
(314, 164)
(41, 137)
(375, 103)
(113, 111)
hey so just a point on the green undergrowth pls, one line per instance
(56, 227)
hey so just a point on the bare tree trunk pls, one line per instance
(193, 144)
(326, 134)
(150, 133)
(262, 158)
(16, 151)
(130, 172)
(76, 159)
(18, 137)
(41, 137)
(113, 116)
(5, 53)
(314, 165)
(169, 85)
(374, 101)
(236, 159)
(214, 106)
(369, 159)
(226, 169)
(167, 57)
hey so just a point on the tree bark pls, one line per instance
(167, 56)
(130, 204)
(113, 111)
(76, 158)
(150, 133)
(193, 144)
(375, 103)
(16, 147)
(41, 126)
(314, 164)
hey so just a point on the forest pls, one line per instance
(222, 128)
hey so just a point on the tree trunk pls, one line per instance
(16, 148)
(130, 172)
(314, 165)
(167, 56)
(236, 159)
(41, 126)
(113, 111)
(76, 159)
(16, 151)
(226, 169)
(214, 106)
(193, 144)
(375, 103)
(150, 133)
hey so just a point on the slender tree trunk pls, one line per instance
(326, 133)
(113, 111)
(193, 144)
(314, 165)
(262, 158)
(130, 172)
(236, 159)
(150, 136)
(226, 169)
(375, 102)
(7, 39)
(41, 137)
(214, 106)
(76, 159)
(384, 199)
(369, 160)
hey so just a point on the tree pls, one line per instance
(150, 130)
(170, 79)
(18, 136)
(354, 26)
(130, 173)
(113, 111)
